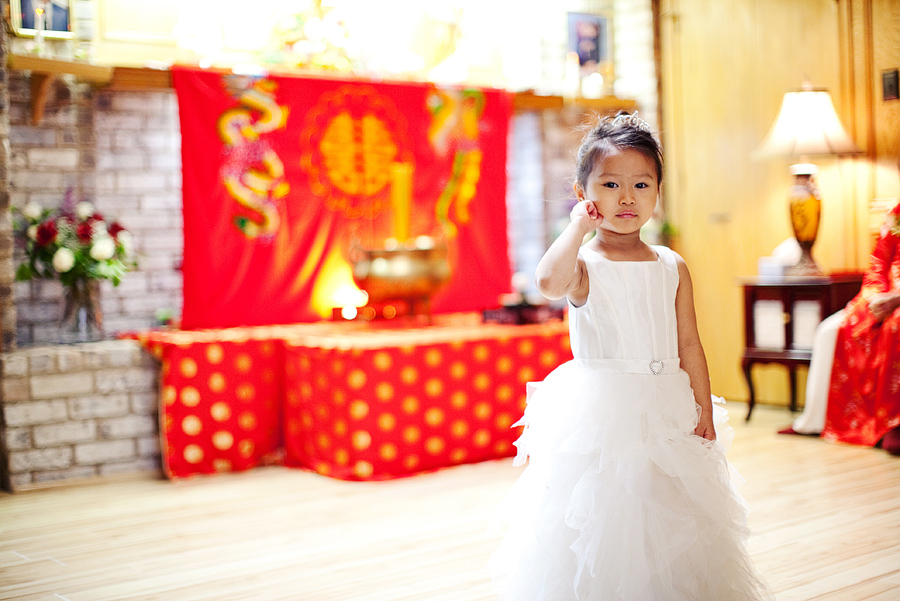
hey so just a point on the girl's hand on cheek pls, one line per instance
(587, 212)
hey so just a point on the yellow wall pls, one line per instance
(725, 67)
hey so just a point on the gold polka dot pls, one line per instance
(188, 367)
(481, 438)
(382, 361)
(191, 425)
(388, 451)
(458, 455)
(222, 465)
(246, 448)
(549, 358)
(481, 352)
(294, 428)
(323, 469)
(190, 396)
(193, 453)
(306, 391)
(307, 420)
(434, 416)
(363, 469)
(502, 447)
(387, 422)
(526, 347)
(214, 353)
(384, 391)
(340, 427)
(505, 392)
(223, 440)
(339, 396)
(361, 440)
(304, 363)
(323, 441)
(220, 411)
(411, 462)
(435, 445)
(411, 434)
(337, 366)
(434, 387)
(482, 411)
(565, 343)
(433, 357)
(243, 363)
(293, 399)
(247, 420)
(459, 428)
(503, 421)
(458, 370)
(459, 399)
(356, 379)
(169, 395)
(245, 392)
(504, 364)
(410, 404)
(342, 456)
(409, 374)
(267, 348)
(482, 382)
(359, 410)
(217, 382)
(526, 374)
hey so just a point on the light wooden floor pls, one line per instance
(826, 520)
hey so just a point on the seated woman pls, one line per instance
(853, 386)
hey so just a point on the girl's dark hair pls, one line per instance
(621, 131)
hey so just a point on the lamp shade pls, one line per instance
(807, 124)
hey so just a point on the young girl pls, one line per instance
(627, 496)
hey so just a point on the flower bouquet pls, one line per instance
(76, 246)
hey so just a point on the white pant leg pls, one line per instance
(818, 380)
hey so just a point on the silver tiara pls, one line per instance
(632, 120)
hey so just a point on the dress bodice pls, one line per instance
(630, 309)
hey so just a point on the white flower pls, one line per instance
(33, 211)
(32, 232)
(125, 240)
(84, 210)
(103, 249)
(63, 260)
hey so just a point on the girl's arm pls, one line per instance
(560, 271)
(690, 350)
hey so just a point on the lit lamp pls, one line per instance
(807, 124)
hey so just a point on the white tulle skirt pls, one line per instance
(620, 500)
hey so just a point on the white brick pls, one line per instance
(59, 434)
(138, 102)
(133, 379)
(42, 362)
(148, 446)
(69, 360)
(19, 481)
(43, 459)
(67, 385)
(112, 405)
(128, 467)
(35, 413)
(92, 453)
(16, 389)
(142, 181)
(60, 158)
(18, 439)
(75, 473)
(130, 426)
(145, 403)
(116, 122)
(14, 365)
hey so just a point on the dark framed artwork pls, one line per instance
(590, 37)
(56, 13)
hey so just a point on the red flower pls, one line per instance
(114, 230)
(46, 233)
(85, 231)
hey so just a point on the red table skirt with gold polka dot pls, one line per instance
(356, 401)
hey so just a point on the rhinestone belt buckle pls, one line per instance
(656, 367)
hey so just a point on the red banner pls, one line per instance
(281, 175)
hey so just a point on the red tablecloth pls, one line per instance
(348, 400)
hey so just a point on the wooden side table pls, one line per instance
(797, 297)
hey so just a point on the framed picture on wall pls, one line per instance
(56, 14)
(590, 37)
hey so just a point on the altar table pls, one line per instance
(351, 400)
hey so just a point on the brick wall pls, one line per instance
(80, 411)
(121, 151)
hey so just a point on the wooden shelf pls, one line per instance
(529, 101)
(45, 70)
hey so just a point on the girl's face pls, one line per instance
(624, 188)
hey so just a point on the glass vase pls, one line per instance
(82, 318)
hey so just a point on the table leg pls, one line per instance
(747, 366)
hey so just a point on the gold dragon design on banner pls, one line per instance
(252, 172)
